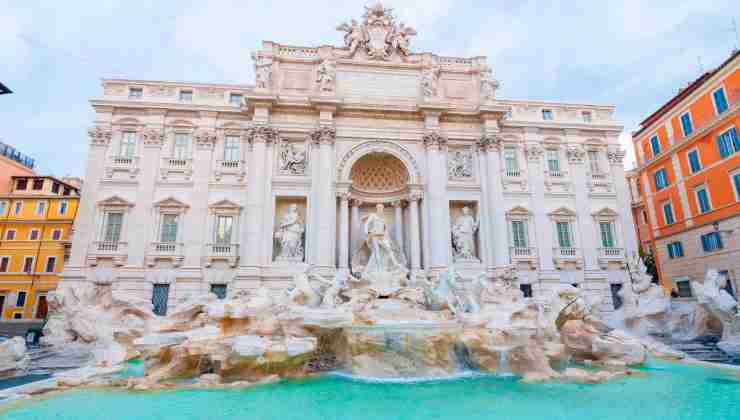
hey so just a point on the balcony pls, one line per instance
(182, 167)
(514, 180)
(600, 182)
(117, 251)
(557, 173)
(611, 255)
(230, 167)
(221, 252)
(123, 164)
(519, 254)
(563, 256)
(173, 251)
(557, 181)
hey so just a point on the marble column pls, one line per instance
(436, 202)
(398, 222)
(197, 214)
(496, 197)
(629, 235)
(344, 231)
(584, 225)
(356, 229)
(542, 224)
(415, 239)
(327, 207)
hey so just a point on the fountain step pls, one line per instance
(704, 348)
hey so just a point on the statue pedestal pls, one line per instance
(385, 283)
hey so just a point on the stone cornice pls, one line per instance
(262, 134)
(100, 136)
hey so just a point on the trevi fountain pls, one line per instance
(418, 315)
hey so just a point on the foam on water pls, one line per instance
(468, 374)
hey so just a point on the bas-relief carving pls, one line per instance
(261, 134)
(262, 71)
(153, 137)
(616, 157)
(430, 81)
(326, 76)
(463, 236)
(293, 158)
(378, 36)
(100, 136)
(460, 164)
(289, 236)
(488, 85)
(575, 154)
(205, 139)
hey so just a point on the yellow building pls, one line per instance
(35, 228)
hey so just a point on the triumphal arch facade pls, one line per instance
(368, 157)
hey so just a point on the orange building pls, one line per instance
(13, 163)
(686, 187)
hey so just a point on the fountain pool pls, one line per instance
(668, 391)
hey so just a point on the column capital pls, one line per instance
(434, 140)
(261, 134)
(357, 203)
(324, 134)
(533, 151)
(576, 154)
(153, 137)
(616, 156)
(489, 142)
(415, 196)
(344, 196)
(397, 203)
(205, 139)
(100, 136)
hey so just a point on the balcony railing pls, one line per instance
(512, 173)
(174, 165)
(557, 173)
(522, 252)
(228, 252)
(232, 167)
(166, 248)
(599, 176)
(124, 162)
(115, 250)
(567, 252)
(610, 254)
(110, 247)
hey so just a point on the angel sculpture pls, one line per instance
(354, 35)
(402, 38)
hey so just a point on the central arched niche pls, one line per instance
(378, 172)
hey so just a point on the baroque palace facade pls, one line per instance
(195, 187)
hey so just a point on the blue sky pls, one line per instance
(631, 54)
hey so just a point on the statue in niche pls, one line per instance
(326, 75)
(463, 236)
(379, 260)
(262, 71)
(460, 165)
(488, 85)
(290, 235)
(430, 81)
(292, 159)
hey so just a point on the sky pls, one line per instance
(631, 54)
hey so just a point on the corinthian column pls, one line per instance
(258, 138)
(438, 208)
(492, 145)
(344, 231)
(398, 222)
(327, 207)
(356, 230)
(415, 240)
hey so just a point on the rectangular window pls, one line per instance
(586, 116)
(63, 207)
(607, 234)
(219, 290)
(224, 227)
(51, 264)
(675, 250)
(655, 145)
(519, 234)
(661, 179)
(728, 143)
(684, 288)
(128, 144)
(553, 160)
(231, 148)
(21, 184)
(4, 264)
(720, 100)
(56, 234)
(38, 184)
(33, 235)
(510, 161)
(168, 231)
(593, 160)
(186, 96)
(160, 296)
(55, 187)
(736, 181)
(135, 92)
(21, 300)
(113, 223)
(702, 197)
(694, 161)
(10, 235)
(3, 207)
(616, 298)
(40, 208)
(182, 146)
(564, 237)
(686, 124)
(546, 114)
(711, 242)
(28, 264)
(18, 207)
(668, 213)
(526, 290)
(235, 99)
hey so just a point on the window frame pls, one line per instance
(702, 242)
(33, 264)
(53, 267)
(35, 183)
(691, 123)
(238, 148)
(675, 250)
(735, 181)
(18, 303)
(587, 116)
(556, 153)
(182, 95)
(131, 142)
(8, 232)
(666, 183)
(62, 209)
(524, 232)
(697, 189)
(232, 95)
(39, 205)
(132, 89)
(511, 152)
(722, 89)
(655, 144)
(3, 207)
(698, 158)
(612, 233)
(571, 239)
(178, 221)
(188, 145)
(547, 114)
(17, 207)
(31, 232)
(216, 225)
(57, 233)
(8, 260)
(665, 215)
(105, 223)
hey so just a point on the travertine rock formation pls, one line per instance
(713, 297)
(12, 355)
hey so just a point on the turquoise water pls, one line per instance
(670, 391)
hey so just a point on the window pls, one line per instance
(607, 234)
(128, 144)
(519, 234)
(616, 299)
(40, 208)
(686, 125)
(33, 235)
(21, 299)
(17, 315)
(55, 187)
(553, 160)
(586, 116)
(160, 295)
(235, 99)
(702, 197)
(10, 235)
(593, 160)
(18, 207)
(38, 184)
(728, 143)
(67, 191)
(56, 234)
(231, 148)
(546, 114)
(186, 96)
(135, 92)
(684, 288)
(182, 146)
(51, 264)
(675, 250)
(694, 162)
(4, 264)
(219, 290)
(655, 145)
(21, 184)
(661, 179)
(564, 236)
(510, 161)
(63, 207)
(28, 264)
(224, 227)
(736, 181)
(644, 217)
(711, 241)
(720, 100)
(3, 207)
(728, 282)
(526, 290)
(168, 231)
(668, 213)
(112, 227)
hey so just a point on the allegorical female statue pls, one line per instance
(463, 236)
(290, 235)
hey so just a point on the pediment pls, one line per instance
(170, 202)
(225, 205)
(519, 211)
(606, 212)
(563, 212)
(115, 201)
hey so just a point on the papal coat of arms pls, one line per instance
(378, 35)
